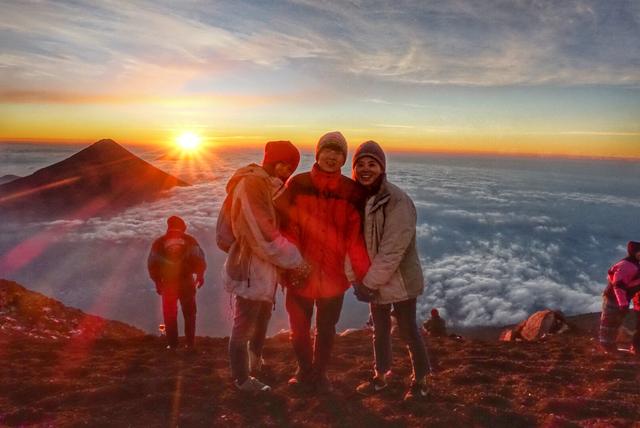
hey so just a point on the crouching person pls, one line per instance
(395, 276)
(436, 325)
(250, 272)
(623, 286)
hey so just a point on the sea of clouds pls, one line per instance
(499, 238)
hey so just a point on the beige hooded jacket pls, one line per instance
(390, 234)
(251, 268)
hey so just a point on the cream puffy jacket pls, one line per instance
(251, 268)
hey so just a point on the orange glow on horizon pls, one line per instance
(542, 145)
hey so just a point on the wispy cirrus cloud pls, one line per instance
(161, 46)
(45, 96)
(602, 133)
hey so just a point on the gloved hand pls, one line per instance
(159, 288)
(297, 277)
(363, 293)
(199, 281)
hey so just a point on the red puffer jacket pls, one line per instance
(321, 215)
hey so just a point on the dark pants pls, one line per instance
(313, 359)
(187, 298)
(611, 319)
(405, 313)
(250, 322)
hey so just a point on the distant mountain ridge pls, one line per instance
(7, 178)
(98, 180)
(27, 314)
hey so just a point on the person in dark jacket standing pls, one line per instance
(321, 213)
(622, 288)
(395, 277)
(176, 265)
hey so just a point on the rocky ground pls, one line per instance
(559, 382)
(62, 367)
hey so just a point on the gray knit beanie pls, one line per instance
(332, 139)
(373, 150)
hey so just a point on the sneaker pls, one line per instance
(372, 386)
(252, 385)
(417, 391)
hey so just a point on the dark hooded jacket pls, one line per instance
(176, 269)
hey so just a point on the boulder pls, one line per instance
(537, 326)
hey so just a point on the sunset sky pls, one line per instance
(512, 77)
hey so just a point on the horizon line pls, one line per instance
(396, 150)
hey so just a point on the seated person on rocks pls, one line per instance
(435, 326)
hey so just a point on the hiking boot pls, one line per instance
(417, 391)
(301, 382)
(372, 386)
(323, 385)
(608, 348)
(252, 385)
(190, 350)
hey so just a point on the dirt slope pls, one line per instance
(562, 381)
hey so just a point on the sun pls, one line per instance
(188, 141)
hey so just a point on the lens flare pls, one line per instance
(189, 141)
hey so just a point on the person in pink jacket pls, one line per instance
(622, 288)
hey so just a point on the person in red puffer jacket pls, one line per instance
(321, 212)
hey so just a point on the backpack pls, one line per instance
(224, 230)
(169, 262)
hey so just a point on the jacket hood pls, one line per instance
(246, 171)
(632, 249)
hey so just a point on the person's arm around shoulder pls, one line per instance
(263, 235)
(357, 262)
(288, 212)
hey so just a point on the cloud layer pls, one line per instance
(498, 238)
